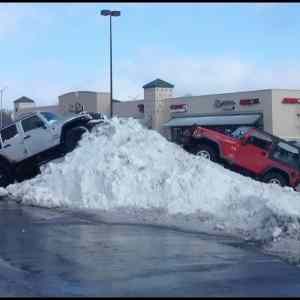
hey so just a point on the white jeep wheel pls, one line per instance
(73, 137)
(5, 176)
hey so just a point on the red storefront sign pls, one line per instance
(289, 100)
(175, 108)
(251, 101)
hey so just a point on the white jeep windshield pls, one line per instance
(50, 117)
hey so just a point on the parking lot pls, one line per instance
(59, 253)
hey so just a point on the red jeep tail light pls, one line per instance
(288, 100)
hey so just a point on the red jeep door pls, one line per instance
(253, 155)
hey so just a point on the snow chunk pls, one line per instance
(276, 232)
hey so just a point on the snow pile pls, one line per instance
(129, 173)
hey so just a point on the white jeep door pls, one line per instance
(13, 146)
(37, 135)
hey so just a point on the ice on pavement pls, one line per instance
(128, 173)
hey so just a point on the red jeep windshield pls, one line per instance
(240, 132)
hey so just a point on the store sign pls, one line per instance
(251, 101)
(178, 108)
(225, 104)
(288, 100)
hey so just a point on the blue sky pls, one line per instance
(49, 49)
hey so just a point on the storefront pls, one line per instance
(181, 126)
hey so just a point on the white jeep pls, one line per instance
(36, 138)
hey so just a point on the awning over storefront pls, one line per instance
(245, 119)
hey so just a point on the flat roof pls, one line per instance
(227, 93)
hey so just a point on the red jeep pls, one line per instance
(251, 152)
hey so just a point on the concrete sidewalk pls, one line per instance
(50, 253)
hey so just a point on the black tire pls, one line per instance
(206, 151)
(72, 138)
(6, 175)
(27, 171)
(275, 177)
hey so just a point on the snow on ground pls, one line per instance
(128, 173)
(3, 192)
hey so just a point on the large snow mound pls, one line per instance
(124, 170)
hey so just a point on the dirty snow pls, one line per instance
(128, 173)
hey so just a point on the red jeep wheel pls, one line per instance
(206, 151)
(275, 177)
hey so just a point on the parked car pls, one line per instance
(250, 151)
(36, 138)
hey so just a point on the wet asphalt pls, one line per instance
(47, 252)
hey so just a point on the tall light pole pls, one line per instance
(110, 13)
(1, 103)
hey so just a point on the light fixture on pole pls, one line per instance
(110, 13)
(1, 103)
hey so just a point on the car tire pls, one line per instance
(207, 152)
(6, 176)
(72, 138)
(275, 177)
(27, 171)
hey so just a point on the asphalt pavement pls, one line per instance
(47, 252)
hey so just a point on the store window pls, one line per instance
(181, 134)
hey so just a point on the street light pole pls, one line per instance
(113, 13)
(111, 83)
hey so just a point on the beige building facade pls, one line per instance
(279, 108)
(85, 101)
(275, 110)
(22, 104)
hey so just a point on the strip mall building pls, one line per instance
(275, 110)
